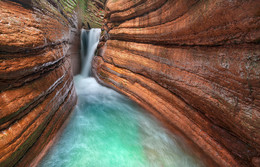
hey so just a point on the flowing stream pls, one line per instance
(109, 130)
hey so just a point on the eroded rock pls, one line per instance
(195, 64)
(36, 87)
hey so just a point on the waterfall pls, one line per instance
(89, 42)
(108, 129)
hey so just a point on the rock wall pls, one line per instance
(196, 64)
(36, 89)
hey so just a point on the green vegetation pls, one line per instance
(93, 14)
(89, 12)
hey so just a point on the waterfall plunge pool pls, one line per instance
(109, 130)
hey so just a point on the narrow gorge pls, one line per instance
(192, 66)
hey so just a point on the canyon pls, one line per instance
(193, 64)
(38, 42)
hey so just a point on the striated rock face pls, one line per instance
(195, 64)
(36, 88)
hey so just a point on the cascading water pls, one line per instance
(89, 42)
(109, 130)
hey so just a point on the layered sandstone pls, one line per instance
(195, 64)
(36, 88)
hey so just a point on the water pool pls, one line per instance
(109, 130)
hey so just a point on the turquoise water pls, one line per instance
(109, 130)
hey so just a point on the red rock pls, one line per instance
(206, 23)
(36, 87)
(193, 64)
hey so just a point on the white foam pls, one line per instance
(92, 42)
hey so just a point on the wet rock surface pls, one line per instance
(36, 88)
(194, 64)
